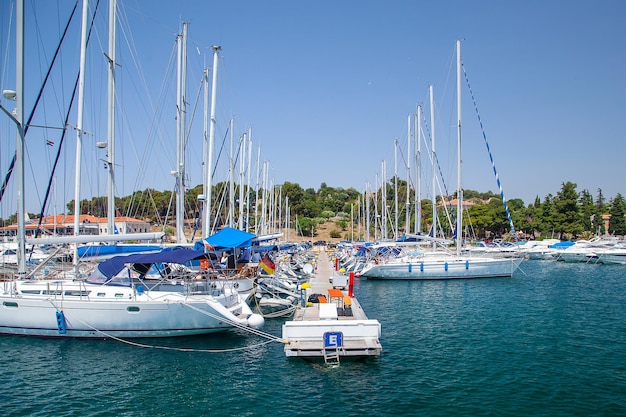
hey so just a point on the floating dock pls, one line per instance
(335, 326)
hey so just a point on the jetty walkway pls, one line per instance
(336, 324)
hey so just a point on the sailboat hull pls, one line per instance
(51, 310)
(443, 269)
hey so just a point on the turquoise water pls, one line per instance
(550, 341)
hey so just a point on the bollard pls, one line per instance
(351, 284)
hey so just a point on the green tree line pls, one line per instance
(569, 214)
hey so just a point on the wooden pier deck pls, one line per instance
(337, 326)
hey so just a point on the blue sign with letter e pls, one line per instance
(333, 339)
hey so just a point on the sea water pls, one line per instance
(550, 341)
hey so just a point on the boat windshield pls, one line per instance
(122, 279)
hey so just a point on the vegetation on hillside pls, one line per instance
(568, 214)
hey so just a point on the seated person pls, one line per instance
(224, 259)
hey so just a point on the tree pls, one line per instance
(567, 216)
(587, 210)
(547, 222)
(617, 223)
(295, 194)
(306, 225)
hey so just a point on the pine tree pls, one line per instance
(568, 218)
(587, 209)
(617, 223)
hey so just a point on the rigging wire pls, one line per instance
(39, 95)
(56, 161)
(493, 164)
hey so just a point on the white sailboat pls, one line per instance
(439, 264)
(117, 300)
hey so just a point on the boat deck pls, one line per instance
(336, 326)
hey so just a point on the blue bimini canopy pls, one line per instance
(227, 238)
(110, 268)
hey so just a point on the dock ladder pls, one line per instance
(331, 355)
(333, 343)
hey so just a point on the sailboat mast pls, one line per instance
(231, 178)
(367, 211)
(395, 194)
(257, 191)
(383, 199)
(376, 221)
(407, 220)
(242, 152)
(248, 168)
(180, 135)
(434, 160)
(459, 197)
(79, 128)
(205, 143)
(111, 120)
(209, 166)
(418, 174)
(19, 148)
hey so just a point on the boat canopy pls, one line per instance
(562, 245)
(107, 270)
(227, 238)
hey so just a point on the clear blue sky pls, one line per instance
(326, 86)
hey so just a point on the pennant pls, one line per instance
(267, 264)
(49, 142)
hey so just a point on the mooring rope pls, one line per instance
(271, 338)
(506, 207)
(235, 324)
(142, 345)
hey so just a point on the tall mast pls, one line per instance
(209, 166)
(256, 192)
(383, 200)
(180, 135)
(434, 162)
(418, 174)
(19, 148)
(111, 120)
(407, 221)
(205, 146)
(79, 127)
(265, 199)
(242, 153)
(367, 211)
(231, 178)
(395, 174)
(376, 221)
(248, 179)
(287, 218)
(459, 197)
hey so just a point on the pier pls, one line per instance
(333, 324)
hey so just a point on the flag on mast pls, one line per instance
(267, 264)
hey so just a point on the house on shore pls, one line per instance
(63, 225)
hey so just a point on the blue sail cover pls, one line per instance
(227, 238)
(110, 268)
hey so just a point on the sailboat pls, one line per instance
(439, 264)
(118, 299)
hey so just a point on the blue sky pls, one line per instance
(327, 86)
